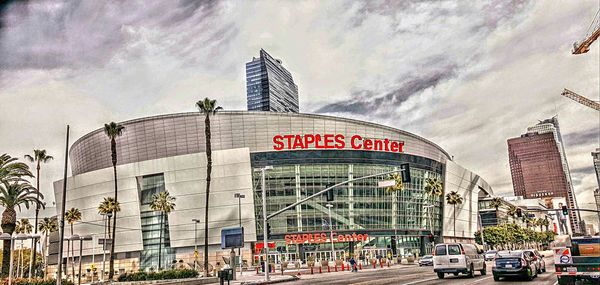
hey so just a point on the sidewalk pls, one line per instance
(251, 278)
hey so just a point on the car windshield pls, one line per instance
(427, 256)
(440, 250)
(509, 254)
(491, 252)
(453, 249)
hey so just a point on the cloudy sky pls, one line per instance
(465, 74)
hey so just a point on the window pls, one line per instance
(440, 250)
(454, 249)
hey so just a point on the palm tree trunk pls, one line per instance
(454, 218)
(160, 242)
(35, 226)
(111, 273)
(9, 219)
(72, 255)
(67, 264)
(44, 250)
(208, 173)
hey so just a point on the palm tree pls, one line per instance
(544, 222)
(512, 211)
(47, 226)
(22, 227)
(453, 198)
(112, 131)
(496, 203)
(12, 170)
(71, 216)
(109, 206)
(165, 204)
(433, 187)
(207, 107)
(39, 156)
(13, 195)
(398, 186)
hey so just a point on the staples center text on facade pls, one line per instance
(335, 141)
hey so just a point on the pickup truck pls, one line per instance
(577, 260)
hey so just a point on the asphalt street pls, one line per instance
(412, 275)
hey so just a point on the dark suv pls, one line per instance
(516, 263)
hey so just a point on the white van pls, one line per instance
(458, 258)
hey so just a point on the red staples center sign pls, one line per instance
(335, 141)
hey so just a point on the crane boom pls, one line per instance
(580, 99)
(592, 34)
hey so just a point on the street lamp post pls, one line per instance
(79, 238)
(264, 210)
(331, 232)
(196, 221)
(240, 197)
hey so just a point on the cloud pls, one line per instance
(467, 75)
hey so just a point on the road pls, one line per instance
(413, 275)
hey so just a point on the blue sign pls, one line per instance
(232, 237)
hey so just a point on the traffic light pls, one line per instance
(564, 210)
(405, 173)
(519, 213)
(329, 193)
(268, 231)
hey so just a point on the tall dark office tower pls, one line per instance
(269, 86)
(539, 168)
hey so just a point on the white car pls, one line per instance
(458, 258)
(490, 254)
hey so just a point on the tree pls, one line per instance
(165, 204)
(496, 203)
(398, 185)
(13, 195)
(22, 227)
(433, 187)
(112, 131)
(71, 216)
(207, 107)
(12, 170)
(512, 212)
(453, 198)
(545, 222)
(47, 226)
(109, 206)
(39, 156)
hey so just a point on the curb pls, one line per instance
(293, 278)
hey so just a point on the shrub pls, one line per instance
(162, 275)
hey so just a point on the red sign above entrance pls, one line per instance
(335, 141)
(323, 238)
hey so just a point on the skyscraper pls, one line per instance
(269, 86)
(539, 166)
(597, 199)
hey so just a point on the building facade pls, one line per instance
(306, 152)
(539, 166)
(270, 86)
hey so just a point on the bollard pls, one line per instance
(257, 270)
(380, 264)
(360, 266)
(343, 267)
(320, 269)
(328, 268)
(311, 270)
(389, 263)
(374, 265)
(335, 268)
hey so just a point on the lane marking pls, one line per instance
(420, 281)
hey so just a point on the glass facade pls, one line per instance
(269, 86)
(151, 225)
(358, 207)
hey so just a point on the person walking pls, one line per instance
(353, 264)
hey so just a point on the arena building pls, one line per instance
(307, 152)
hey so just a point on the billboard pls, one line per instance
(232, 237)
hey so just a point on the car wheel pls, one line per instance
(484, 270)
(544, 269)
(530, 275)
(440, 275)
(455, 273)
(496, 278)
(471, 272)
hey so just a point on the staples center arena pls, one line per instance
(307, 153)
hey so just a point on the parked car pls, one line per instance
(515, 263)
(490, 254)
(458, 258)
(426, 260)
(538, 259)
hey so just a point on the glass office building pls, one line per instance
(307, 153)
(269, 86)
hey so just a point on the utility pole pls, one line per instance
(62, 214)
(240, 197)
(264, 206)
(331, 233)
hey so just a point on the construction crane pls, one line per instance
(591, 35)
(580, 99)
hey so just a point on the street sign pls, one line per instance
(562, 255)
(386, 183)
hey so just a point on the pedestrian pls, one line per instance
(353, 264)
